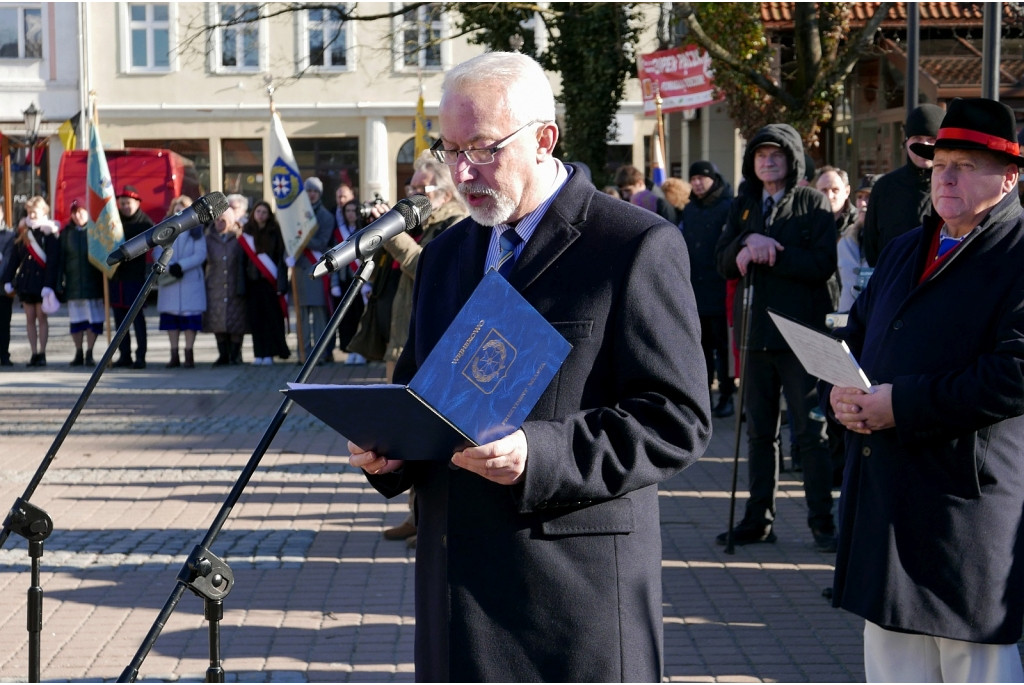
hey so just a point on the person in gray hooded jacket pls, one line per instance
(780, 237)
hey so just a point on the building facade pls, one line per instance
(198, 78)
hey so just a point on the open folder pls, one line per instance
(478, 384)
(822, 356)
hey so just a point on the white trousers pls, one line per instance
(891, 657)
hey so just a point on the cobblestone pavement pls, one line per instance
(319, 595)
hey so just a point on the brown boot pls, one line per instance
(190, 360)
(175, 360)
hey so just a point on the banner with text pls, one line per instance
(682, 75)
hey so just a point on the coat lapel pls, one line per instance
(556, 231)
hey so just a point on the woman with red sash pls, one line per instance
(266, 282)
(33, 272)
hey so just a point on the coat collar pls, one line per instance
(557, 230)
(1002, 217)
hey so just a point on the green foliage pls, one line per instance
(594, 72)
(590, 45)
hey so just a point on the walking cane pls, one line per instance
(748, 297)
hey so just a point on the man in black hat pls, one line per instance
(900, 198)
(931, 539)
(127, 281)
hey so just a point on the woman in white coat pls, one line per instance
(181, 299)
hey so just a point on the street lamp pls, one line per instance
(32, 118)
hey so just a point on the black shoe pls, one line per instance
(88, 358)
(123, 362)
(42, 359)
(34, 361)
(6, 361)
(79, 359)
(139, 364)
(725, 408)
(747, 533)
(824, 541)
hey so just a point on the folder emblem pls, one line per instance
(490, 363)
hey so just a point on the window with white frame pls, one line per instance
(326, 39)
(149, 36)
(238, 43)
(21, 31)
(418, 38)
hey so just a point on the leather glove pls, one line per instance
(175, 270)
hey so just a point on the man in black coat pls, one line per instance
(127, 281)
(539, 554)
(781, 238)
(900, 199)
(931, 544)
(702, 223)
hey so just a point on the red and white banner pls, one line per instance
(682, 76)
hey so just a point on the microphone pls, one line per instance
(202, 211)
(404, 216)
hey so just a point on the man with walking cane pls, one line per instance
(780, 237)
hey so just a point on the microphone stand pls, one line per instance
(205, 574)
(33, 523)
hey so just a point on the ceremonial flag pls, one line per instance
(294, 210)
(657, 160)
(104, 229)
(68, 132)
(422, 138)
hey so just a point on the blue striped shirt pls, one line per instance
(528, 224)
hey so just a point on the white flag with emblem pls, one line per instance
(294, 210)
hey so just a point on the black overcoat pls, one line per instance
(931, 518)
(558, 578)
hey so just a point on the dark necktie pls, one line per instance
(509, 241)
(769, 204)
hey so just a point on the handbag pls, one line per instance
(371, 339)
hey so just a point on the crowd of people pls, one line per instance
(231, 278)
(665, 295)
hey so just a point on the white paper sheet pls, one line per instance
(822, 356)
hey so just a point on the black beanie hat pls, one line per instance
(702, 168)
(924, 121)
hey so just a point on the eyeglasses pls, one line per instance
(478, 155)
(419, 190)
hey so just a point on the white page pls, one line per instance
(822, 356)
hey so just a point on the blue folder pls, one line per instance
(478, 384)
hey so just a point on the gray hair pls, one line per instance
(518, 83)
(239, 198)
(843, 176)
(442, 173)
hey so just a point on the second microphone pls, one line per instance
(404, 216)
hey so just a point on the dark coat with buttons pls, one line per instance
(558, 578)
(931, 518)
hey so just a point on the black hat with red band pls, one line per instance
(976, 124)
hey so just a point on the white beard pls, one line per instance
(498, 213)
